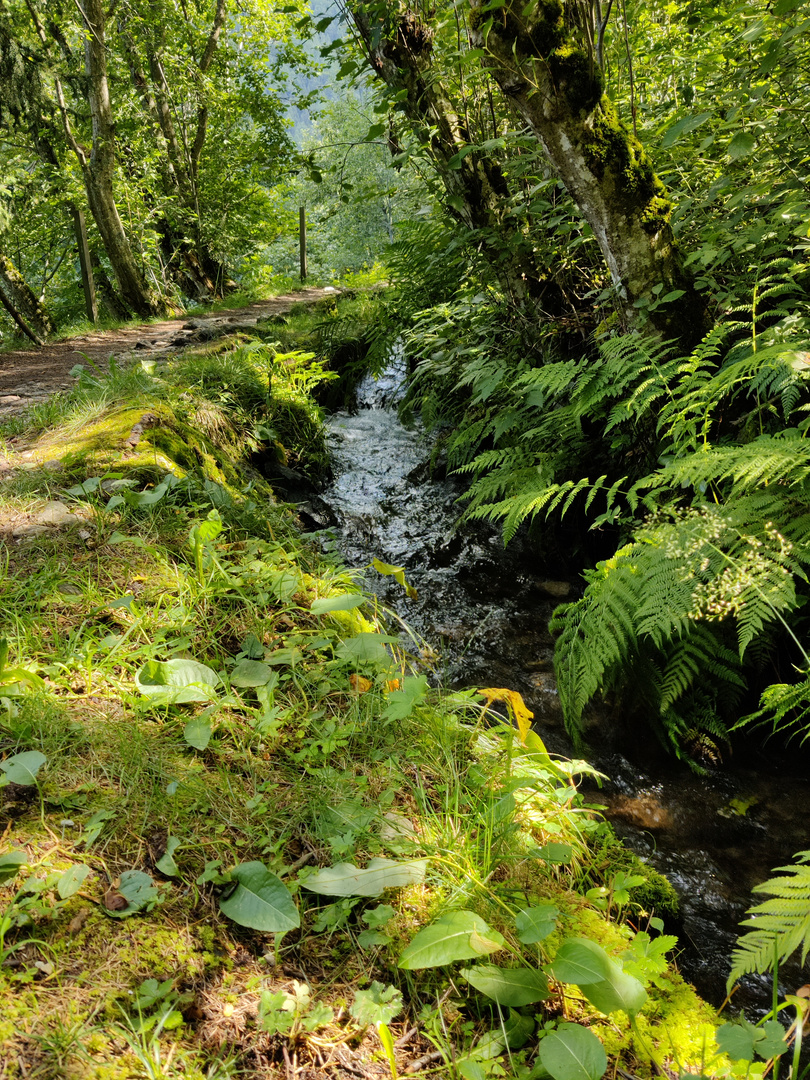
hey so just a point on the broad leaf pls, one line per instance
(458, 935)
(346, 602)
(508, 986)
(367, 648)
(197, 732)
(247, 673)
(261, 900)
(345, 879)
(177, 681)
(138, 889)
(572, 1052)
(22, 768)
(166, 864)
(536, 923)
(10, 864)
(620, 992)
(72, 880)
(580, 961)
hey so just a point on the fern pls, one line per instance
(781, 925)
(785, 707)
(655, 618)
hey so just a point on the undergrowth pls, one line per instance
(243, 835)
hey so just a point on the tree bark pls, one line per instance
(99, 169)
(477, 191)
(189, 261)
(88, 285)
(20, 301)
(556, 86)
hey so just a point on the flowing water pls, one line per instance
(483, 614)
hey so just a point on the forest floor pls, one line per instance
(28, 375)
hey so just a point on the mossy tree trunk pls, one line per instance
(22, 304)
(399, 47)
(555, 83)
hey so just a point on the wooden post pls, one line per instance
(302, 240)
(90, 305)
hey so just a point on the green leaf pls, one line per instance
(166, 864)
(368, 939)
(367, 648)
(772, 1041)
(10, 864)
(197, 732)
(458, 935)
(683, 127)
(22, 768)
(741, 145)
(247, 673)
(508, 986)
(377, 1005)
(514, 1033)
(536, 923)
(94, 826)
(737, 1040)
(560, 854)
(345, 879)
(396, 572)
(580, 961)
(260, 901)
(138, 889)
(346, 602)
(177, 681)
(401, 702)
(572, 1052)
(72, 880)
(620, 992)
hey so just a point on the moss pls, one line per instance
(538, 29)
(611, 150)
(656, 896)
(576, 78)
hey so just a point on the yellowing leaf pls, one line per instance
(516, 705)
(359, 684)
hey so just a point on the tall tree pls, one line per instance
(399, 46)
(547, 59)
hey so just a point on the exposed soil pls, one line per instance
(30, 375)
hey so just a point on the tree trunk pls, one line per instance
(88, 285)
(27, 311)
(191, 264)
(99, 170)
(556, 87)
(477, 192)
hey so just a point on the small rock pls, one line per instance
(557, 589)
(55, 513)
(141, 344)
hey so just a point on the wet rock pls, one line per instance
(642, 810)
(314, 515)
(556, 589)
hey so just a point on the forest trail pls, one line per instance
(30, 375)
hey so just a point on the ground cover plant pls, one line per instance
(242, 834)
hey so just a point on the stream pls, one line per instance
(483, 614)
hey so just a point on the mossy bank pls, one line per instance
(242, 835)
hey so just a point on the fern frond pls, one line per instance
(781, 925)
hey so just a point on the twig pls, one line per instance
(426, 1059)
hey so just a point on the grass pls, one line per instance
(334, 750)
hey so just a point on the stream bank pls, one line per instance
(482, 613)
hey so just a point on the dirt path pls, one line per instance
(30, 375)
